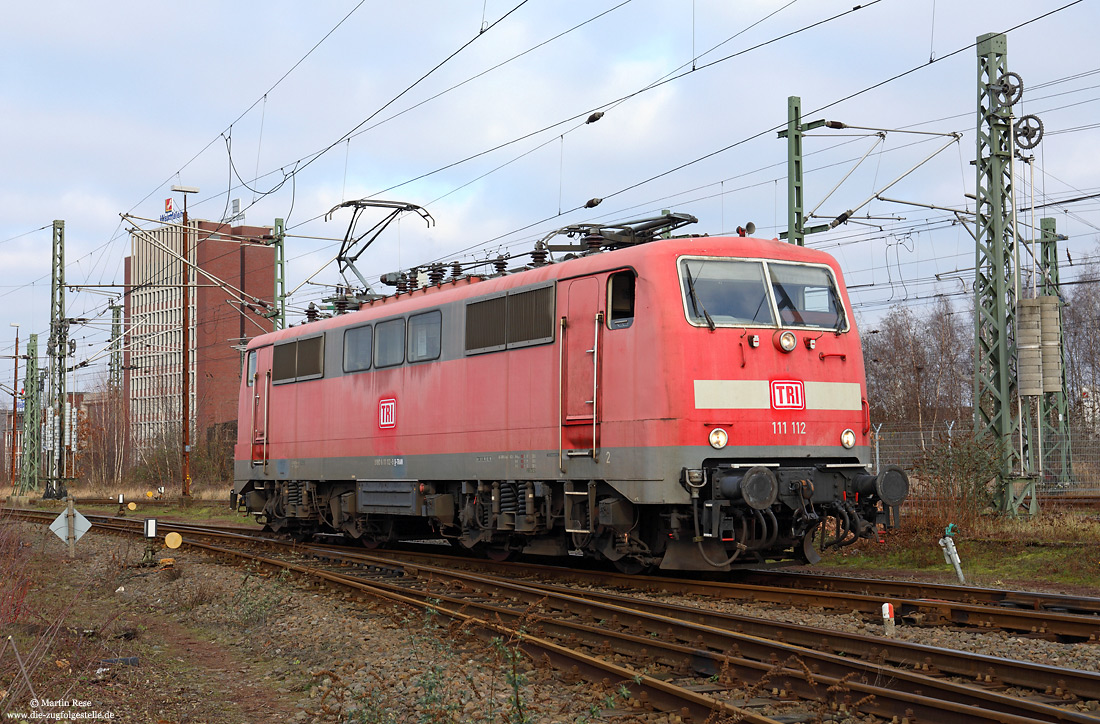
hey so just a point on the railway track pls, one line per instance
(1028, 600)
(1033, 614)
(1046, 615)
(717, 652)
(1074, 501)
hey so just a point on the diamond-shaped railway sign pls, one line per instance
(60, 526)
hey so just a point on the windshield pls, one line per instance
(726, 292)
(735, 292)
(806, 296)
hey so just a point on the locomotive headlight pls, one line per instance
(718, 438)
(848, 439)
(786, 341)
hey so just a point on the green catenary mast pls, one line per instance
(996, 281)
(1054, 406)
(57, 349)
(32, 422)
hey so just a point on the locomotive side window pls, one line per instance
(620, 300)
(357, 349)
(806, 296)
(250, 368)
(389, 343)
(424, 334)
(725, 291)
(301, 359)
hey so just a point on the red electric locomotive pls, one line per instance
(688, 403)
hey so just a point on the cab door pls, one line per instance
(581, 320)
(258, 374)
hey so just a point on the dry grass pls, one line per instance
(131, 491)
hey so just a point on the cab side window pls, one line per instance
(424, 336)
(389, 343)
(620, 300)
(357, 349)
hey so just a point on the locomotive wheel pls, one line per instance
(370, 543)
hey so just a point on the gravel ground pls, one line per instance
(218, 644)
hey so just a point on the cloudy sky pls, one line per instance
(475, 109)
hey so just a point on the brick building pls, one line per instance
(225, 261)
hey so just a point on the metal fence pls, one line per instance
(911, 448)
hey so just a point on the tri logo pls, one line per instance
(788, 395)
(387, 413)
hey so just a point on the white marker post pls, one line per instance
(70, 526)
(150, 542)
(888, 619)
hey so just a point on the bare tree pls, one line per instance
(919, 367)
(105, 436)
(1082, 348)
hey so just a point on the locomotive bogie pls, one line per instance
(688, 403)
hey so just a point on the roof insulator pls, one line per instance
(539, 254)
(594, 242)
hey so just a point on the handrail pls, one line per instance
(267, 416)
(595, 379)
(561, 412)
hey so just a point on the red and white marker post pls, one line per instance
(888, 618)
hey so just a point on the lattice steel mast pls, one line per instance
(32, 421)
(57, 348)
(114, 379)
(279, 240)
(999, 412)
(1054, 406)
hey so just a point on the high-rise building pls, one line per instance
(230, 268)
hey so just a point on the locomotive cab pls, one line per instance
(778, 387)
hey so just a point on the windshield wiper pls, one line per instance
(695, 303)
(841, 319)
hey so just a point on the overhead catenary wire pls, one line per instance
(766, 131)
(588, 112)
